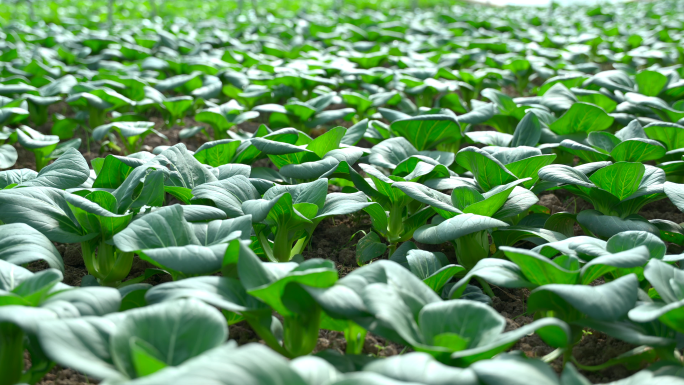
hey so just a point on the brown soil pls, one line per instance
(61, 376)
(662, 209)
(333, 240)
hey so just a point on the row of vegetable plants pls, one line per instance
(213, 151)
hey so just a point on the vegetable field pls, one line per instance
(357, 193)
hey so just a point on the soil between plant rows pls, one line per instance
(336, 239)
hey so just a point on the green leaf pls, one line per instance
(41, 145)
(515, 370)
(82, 344)
(425, 132)
(177, 331)
(115, 170)
(622, 263)
(509, 236)
(165, 227)
(187, 171)
(582, 118)
(16, 177)
(628, 240)
(369, 247)
(391, 152)
(183, 194)
(529, 167)
(224, 293)
(603, 140)
(540, 270)
(8, 156)
(586, 153)
(605, 226)
(143, 187)
(490, 138)
(133, 295)
(650, 83)
(486, 169)
(96, 213)
(528, 131)
(44, 209)
(68, 171)
(670, 134)
(228, 194)
(563, 174)
(23, 244)
(431, 268)
(143, 357)
(273, 278)
(596, 98)
(437, 200)
(495, 271)
(218, 152)
(621, 179)
(505, 103)
(422, 367)
(454, 228)
(675, 192)
(607, 302)
(250, 364)
(327, 142)
(638, 150)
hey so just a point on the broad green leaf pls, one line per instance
(431, 268)
(675, 192)
(628, 240)
(582, 118)
(115, 170)
(327, 142)
(161, 228)
(228, 194)
(16, 177)
(621, 179)
(69, 170)
(96, 213)
(605, 226)
(586, 153)
(622, 263)
(638, 150)
(425, 132)
(515, 370)
(563, 174)
(453, 228)
(670, 134)
(224, 293)
(369, 247)
(22, 244)
(607, 302)
(45, 209)
(539, 269)
(8, 156)
(177, 331)
(509, 236)
(650, 83)
(528, 131)
(488, 171)
(217, 153)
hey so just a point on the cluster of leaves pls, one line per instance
(229, 222)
